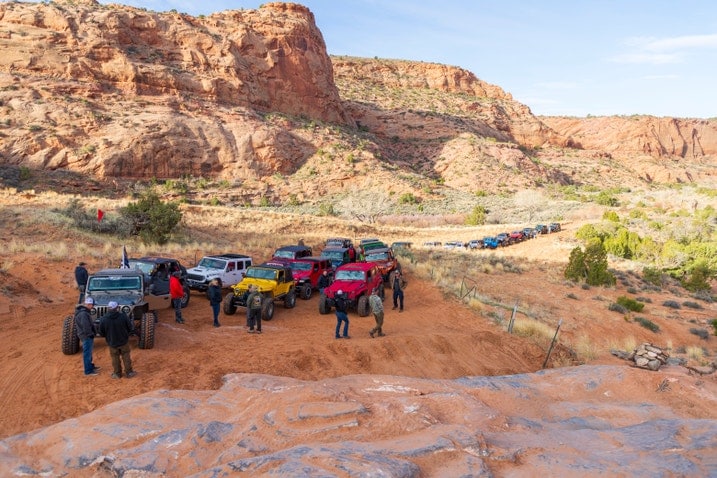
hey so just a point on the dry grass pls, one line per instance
(586, 349)
(538, 331)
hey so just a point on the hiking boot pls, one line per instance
(393, 308)
(251, 331)
(131, 374)
(97, 369)
(258, 331)
(371, 334)
(381, 334)
(217, 324)
(346, 337)
(92, 374)
(116, 375)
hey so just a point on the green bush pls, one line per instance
(652, 276)
(611, 216)
(407, 198)
(476, 217)
(604, 198)
(151, 219)
(648, 324)
(326, 209)
(590, 265)
(698, 278)
(617, 308)
(701, 333)
(630, 304)
(713, 323)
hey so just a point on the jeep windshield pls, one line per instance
(301, 266)
(285, 254)
(333, 255)
(269, 274)
(349, 275)
(210, 263)
(377, 256)
(114, 283)
(145, 267)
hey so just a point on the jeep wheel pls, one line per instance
(185, 297)
(362, 306)
(306, 292)
(267, 308)
(229, 307)
(324, 307)
(70, 340)
(290, 299)
(146, 331)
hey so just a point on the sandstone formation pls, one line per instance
(252, 98)
(556, 423)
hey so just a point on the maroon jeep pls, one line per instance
(306, 272)
(385, 260)
(355, 280)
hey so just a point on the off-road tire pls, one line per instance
(362, 306)
(185, 297)
(70, 340)
(146, 331)
(306, 292)
(267, 308)
(324, 307)
(229, 307)
(290, 299)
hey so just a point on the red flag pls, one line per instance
(100, 215)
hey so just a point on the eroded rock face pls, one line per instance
(591, 418)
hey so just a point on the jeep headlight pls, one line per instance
(126, 309)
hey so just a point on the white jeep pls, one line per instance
(229, 268)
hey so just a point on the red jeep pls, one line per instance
(306, 272)
(356, 280)
(385, 260)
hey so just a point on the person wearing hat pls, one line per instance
(85, 327)
(376, 304)
(81, 276)
(214, 294)
(176, 292)
(116, 328)
(253, 303)
(397, 285)
(341, 316)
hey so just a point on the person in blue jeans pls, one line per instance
(341, 316)
(214, 293)
(85, 328)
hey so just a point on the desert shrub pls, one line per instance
(646, 300)
(572, 296)
(476, 217)
(701, 333)
(631, 290)
(611, 216)
(713, 323)
(25, 173)
(615, 307)
(151, 219)
(407, 198)
(698, 278)
(604, 198)
(630, 304)
(652, 276)
(587, 232)
(590, 265)
(692, 305)
(585, 287)
(327, 209)
(672, 304)
(648, 324)
(87, 219)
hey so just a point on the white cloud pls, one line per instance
(660, 51)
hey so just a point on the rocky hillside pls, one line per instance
(251, 98)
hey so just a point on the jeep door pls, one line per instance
(233, 272)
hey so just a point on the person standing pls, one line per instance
(341, 316)
(214, 293)
(81, 276)
(254, 304)
(323, 282)
(376, 304)
(116, 327)
(85, 328)
(397, 285)
(176, 292)
(352, 253)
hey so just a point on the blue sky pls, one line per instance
(567, 57)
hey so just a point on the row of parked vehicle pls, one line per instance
(502, 239)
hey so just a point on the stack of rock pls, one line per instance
(649, 356)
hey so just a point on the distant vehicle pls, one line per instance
(554, 227)
(369, 246)
(517, 236)
(274, 280)
(292, 252)
(229, 268)
(367, 240)
(529, 233)
(453, 245)
(337, 255)
(401, 245)
(475, 244)
(339, 242)
(433, 244)
(503, 239)
(490, 242)
(542, 229)
(307, 271)
(385, 260)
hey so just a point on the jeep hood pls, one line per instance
(204, 271)
(350, 288)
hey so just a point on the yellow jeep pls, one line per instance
(275, 282)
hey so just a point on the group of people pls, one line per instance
(115, 326)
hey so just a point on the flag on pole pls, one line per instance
(100, 215)
(125, 259)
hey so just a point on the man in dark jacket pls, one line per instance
(323, 282)
(81, 276)
(116, 328)
(397, 286)
(85, 328)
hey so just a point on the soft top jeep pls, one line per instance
(157, 271)
(385, 260)
(274, 280)
(127, 287)
(336, 255)
(306, 272)
(226, 267)
(292, 252)
(355, 280)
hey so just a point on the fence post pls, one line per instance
(512, 318)
(552, 344)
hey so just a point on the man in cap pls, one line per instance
(116, 327)
(397, 285)
(253, 304)
(85, 327)
(341, 316)
(376, 304)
